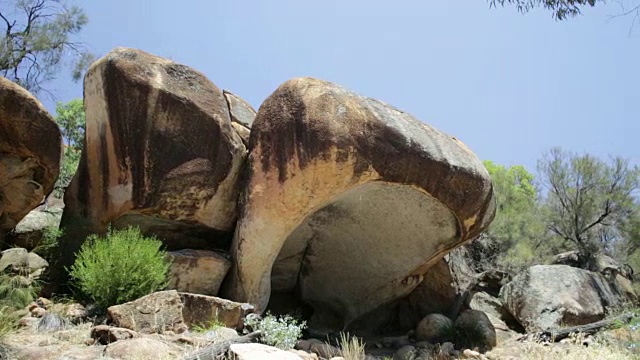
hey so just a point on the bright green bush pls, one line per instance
(120, 267)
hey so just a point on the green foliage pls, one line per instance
(36, 40)
(561, 9)
(49, 242)
(8, 322)
(589, 201)
(120, 267)
(70, 117)
(17, 291)
(515, 233)
(282, 332)
(209, 325)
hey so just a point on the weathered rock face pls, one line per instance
(348, 202)
(620, 275)
(197, 271)
(30, 152)
(546, 296)
(154, 313)
(159, 151)
(201, 310)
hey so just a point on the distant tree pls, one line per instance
(589, 202)
(565, 9)
(37, 40)
(512, 238)
(71, 120)
(561, 9)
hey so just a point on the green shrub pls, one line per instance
(49, 242)
(17, 291)
(282, 332)
(120, 267)
(8, 321)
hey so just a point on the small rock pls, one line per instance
(140, 348)
(324, 350)
(220, 334)
(405, 353)
(304, 355)
(475, 330)
(470, 354)
(14, 258)
(51, 322)
(434, 328)
(337, 358)
(27, 321)
(38, 312)
(104, 334)
(36, 263)
(44, 303)
(447, 348)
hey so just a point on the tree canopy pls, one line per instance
(70, 118)
(561, 9)
(576, 202)
(589, 201)
(38, 40)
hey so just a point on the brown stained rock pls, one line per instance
(30, 153)
(348, 202)
(155, 313)
(197, 271)
(201, 310)
(158, 142)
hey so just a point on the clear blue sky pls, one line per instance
(509, 85)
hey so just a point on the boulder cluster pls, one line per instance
(323, 201)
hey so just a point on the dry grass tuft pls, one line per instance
(352, 348)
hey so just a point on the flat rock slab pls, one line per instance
(30, 153)
(154, 313)
(197, 271)
(348, 202)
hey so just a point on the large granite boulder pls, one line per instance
(30, 153)
(160, 153)
(549, 296)
(348, 202)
